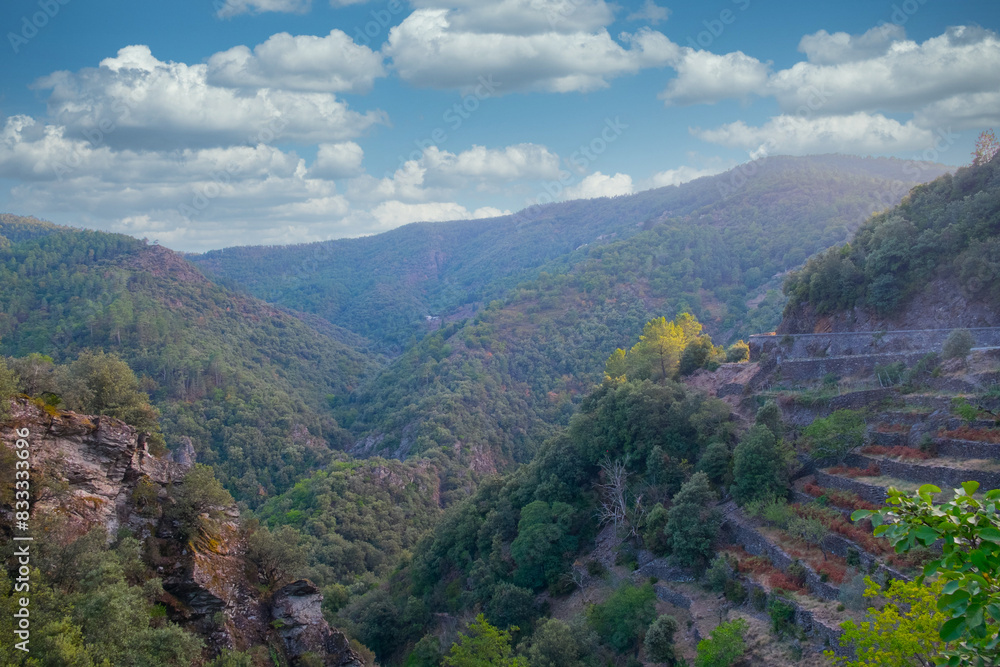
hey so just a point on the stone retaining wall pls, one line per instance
(742, 532)
(920, 474)
(967, 449)
(869, 492)
(863, 342)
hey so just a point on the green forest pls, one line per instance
(538, 442)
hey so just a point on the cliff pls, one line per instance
(90, 471)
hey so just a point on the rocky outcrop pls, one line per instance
(297, 615)
(95, 472)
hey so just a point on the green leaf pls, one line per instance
(970, 487)
(858, 515)
(927, 535)
(953, 629)
(989, 534)
(928, 488)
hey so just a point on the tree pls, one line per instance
(658, 352)
(903, 630)
(511, 606)
(624, 616)
(543, 538)
(693, 522)
(738, 352)
(103, 384)
(769, 415)
(836, 436)
(659, 641)
(724, 646)
(968, 530)
(199, 493)
(714, 462)
(986, 147)
(484, 646)
(758, 467)
(277, 555)
(958, 344)
(697, 354)
(553, 645)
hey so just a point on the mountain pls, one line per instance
(244, 381)
(727, 511)
(384, 287)
(490, 387)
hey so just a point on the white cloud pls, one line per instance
(600, 185)
(395, 213)
(705, 78)
(796, 135)
(523, 17)
(974, 110)
(823, 48)
(677, 176)
(337, 160)
(651, 12)
(908, 75)
(231, 8)
(329, 64)
(155, 104)
(521, 161)
(428, 50)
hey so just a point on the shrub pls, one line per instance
(735, 591)
(852, 593)
(758, 467)
(724, 646)
(714, 462)
(738, 352)
(624, 616)
(958, 344)
(660, 639)
(693, 522)
(782, 614)
(717, 574)
(554, 645)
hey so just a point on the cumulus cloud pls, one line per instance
(523, 17)
(651, 12)
(511, 163)
(823, 48)
(337, 160)
(704, 77)
(600, 185)
(231, 8)
(152, 104)
(329, 64)
(797, 135)
(429, 50)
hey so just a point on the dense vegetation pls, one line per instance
(248, 384)
(947, 228)
(518, 534)
(762, 219)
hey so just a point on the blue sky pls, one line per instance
(229, 122)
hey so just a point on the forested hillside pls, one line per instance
(782, 209)
(947, 228)
(494, 385)
(246, 382)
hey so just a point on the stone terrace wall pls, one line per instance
(806, 346)
(744, 533)
(868, 492)
(921, 474)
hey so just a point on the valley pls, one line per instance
(539, 437)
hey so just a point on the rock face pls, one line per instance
(296, 611)
(95, 471)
